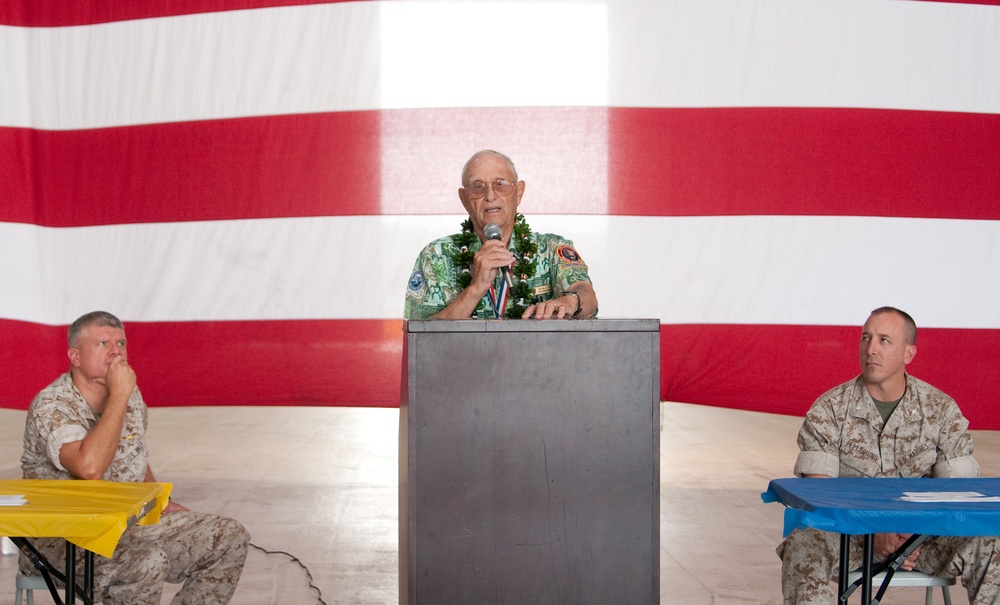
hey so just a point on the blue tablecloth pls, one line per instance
(863, 506)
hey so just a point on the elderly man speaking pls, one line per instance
(497, 266)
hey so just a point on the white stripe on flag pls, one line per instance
(744, 269)
(352, 56)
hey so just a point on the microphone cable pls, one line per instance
(312, 586)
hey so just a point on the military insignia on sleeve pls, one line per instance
(568, 256)
(416, 283)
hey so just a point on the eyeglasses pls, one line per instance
(477, 189)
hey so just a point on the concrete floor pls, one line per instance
(317, 488)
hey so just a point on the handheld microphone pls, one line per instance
(492, 231)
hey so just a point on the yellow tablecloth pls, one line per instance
(91, 514)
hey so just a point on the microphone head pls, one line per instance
(492, 231)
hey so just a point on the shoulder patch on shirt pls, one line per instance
(416, 283)
(568, 255)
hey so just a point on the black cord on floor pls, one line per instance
(319, 593)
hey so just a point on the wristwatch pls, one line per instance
(579, 303)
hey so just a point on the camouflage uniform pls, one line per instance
(843, 435)
(434, 281)
(204, 551)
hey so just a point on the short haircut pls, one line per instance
(909, 326)
(101, 319)
(478, 154)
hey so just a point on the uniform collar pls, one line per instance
(863, 406)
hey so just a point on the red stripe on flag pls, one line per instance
(339, 363)
(769, 368)
(662, 162)
(275, 166)
(775, 161)
(58, 13)
(783, 369)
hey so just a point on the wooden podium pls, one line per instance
(529, 462)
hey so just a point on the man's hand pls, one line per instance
(90, 457)
(560, 308)
(488, 260)
(485, 264)
(886, 544)
(580, 297)
(120, 379)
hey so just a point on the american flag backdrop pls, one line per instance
(246, 183)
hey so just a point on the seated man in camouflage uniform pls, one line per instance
(886, 423)
(90, 424)
(513, 273)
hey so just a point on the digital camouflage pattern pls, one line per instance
(59, 415)
(810, 560)
(926, 436)
(434, 280)
(843, 435)
(205, 552)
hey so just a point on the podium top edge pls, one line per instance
(531, 325)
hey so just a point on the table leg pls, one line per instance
(869, 569)
(41, 564)
(88, 575)
(866, 570)
(87, 594)
(48, 571)
(843, 588)
(70, 573)
(845, 567)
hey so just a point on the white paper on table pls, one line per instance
(12, 501)
(948, 497)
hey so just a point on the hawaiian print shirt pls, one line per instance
(434, 281)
